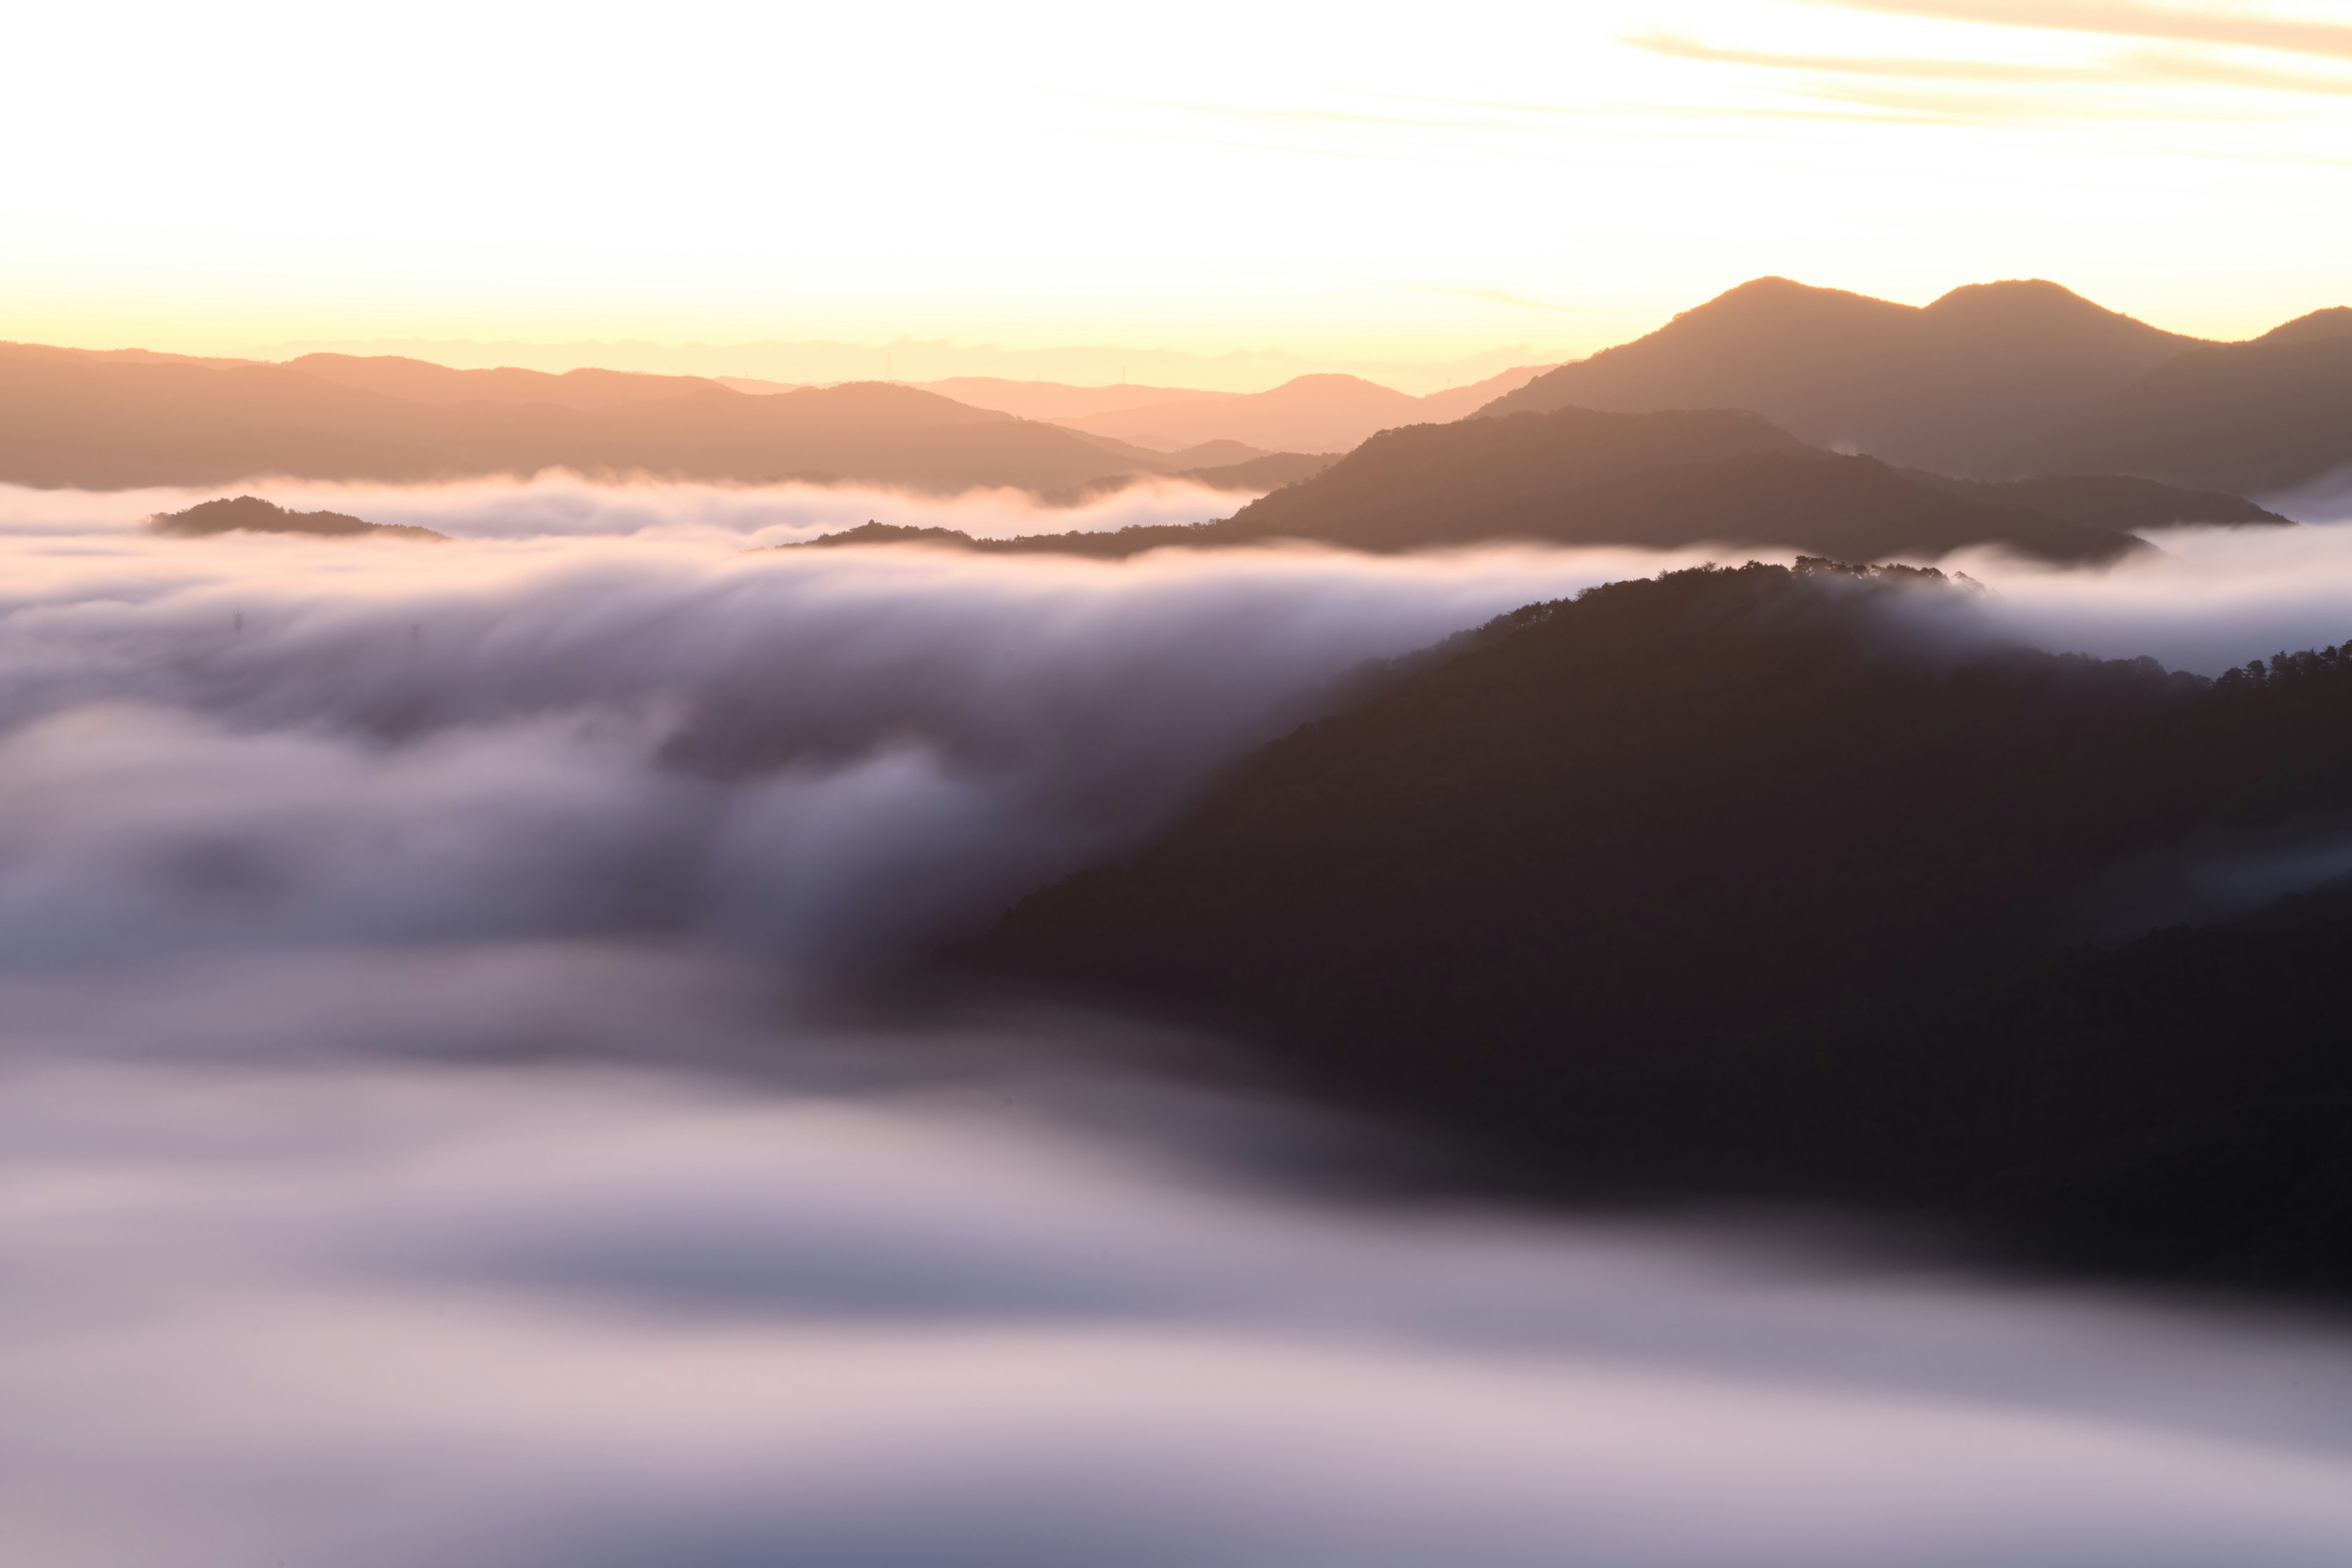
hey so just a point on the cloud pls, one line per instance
(232, 742)
(655, 1274)
(1678, 46)
(414, 1146)
(2061, 90)
(2234, 26)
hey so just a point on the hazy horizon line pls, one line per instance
(830, 362)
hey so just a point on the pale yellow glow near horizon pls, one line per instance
(1212, 194)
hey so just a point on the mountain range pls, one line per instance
(107, 421)
(1993, 380)
(1666, 481)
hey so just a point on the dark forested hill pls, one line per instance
(1960, 385)
(1577, 477)
(1732, 881)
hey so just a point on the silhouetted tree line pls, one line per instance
(1735, 881)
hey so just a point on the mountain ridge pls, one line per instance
(1730, 882)
(72, 418)
(1953, 386)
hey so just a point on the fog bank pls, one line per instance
(565, 505)
(415, 1146)
(551, 1254)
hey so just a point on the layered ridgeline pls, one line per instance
(1748, 882)
(104, 421)
(1667, 481)
(1993, 380)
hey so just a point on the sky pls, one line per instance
(1212, 195)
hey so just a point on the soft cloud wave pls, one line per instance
(414, 1151)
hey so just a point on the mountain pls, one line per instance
(1661, 481)
(2268, 414)
(1962, 385)
(1665, 480)
(1267, 471)
(72, 418)
(1728, 882)
(251, 514)
(418, 381)
(2116, 501)
(1308, 414)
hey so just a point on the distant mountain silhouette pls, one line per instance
(419, 381)
(1959, 386)
(251, 514)
(2271, 414)
(1666, 480)
(1723, 883)
(1308, 414)
(1663, 481)
(71, 418)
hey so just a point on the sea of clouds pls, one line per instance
(426, 1134)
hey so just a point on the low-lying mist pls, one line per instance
(563, 505)
(416, 1145)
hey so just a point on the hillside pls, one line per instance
(1961, 386)
(1662, 481)
(2271, 413)
(2117, 501)
(105, 422)
(1724, 883)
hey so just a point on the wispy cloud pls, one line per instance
(1834, 78)
(1678, 46)
(2239, 25)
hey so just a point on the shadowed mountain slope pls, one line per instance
(1961, 386)
(68, 418)
(2271, 413)
(2114, 502)
(1577, 477)
(1730, 882)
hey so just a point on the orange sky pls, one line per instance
(1212, 195)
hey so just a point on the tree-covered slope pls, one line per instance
(1738, 880)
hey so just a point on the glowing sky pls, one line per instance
(1427, 193)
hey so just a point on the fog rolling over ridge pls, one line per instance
(414, 1146)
